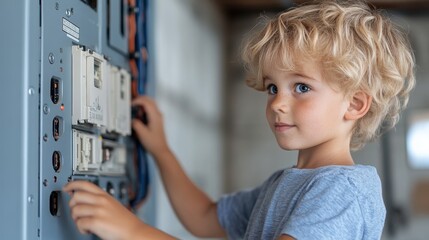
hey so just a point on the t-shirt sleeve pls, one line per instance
(234, 211)
(328, 209)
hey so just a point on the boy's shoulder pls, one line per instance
(353, 173)
(358, 179)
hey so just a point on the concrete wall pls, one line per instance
(189, 69)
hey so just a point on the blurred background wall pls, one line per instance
(216, 124)
(189, 60)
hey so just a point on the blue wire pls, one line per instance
(142, 161)
(144, 174)
(140, 43)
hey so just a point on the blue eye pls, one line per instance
(301, 88)
(272, 89)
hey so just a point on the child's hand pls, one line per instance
(152, 135)
(95, 211)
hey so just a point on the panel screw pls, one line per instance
(45, 137)
(68, 13)
(51, 58)
(30, 199)
(31, 91)
(45, 182)
(57, 6)
(46, 109)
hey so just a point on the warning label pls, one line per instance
(71, 30)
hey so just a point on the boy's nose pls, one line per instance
(280, 103)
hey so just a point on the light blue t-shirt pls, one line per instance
(333, 202)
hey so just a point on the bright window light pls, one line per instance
(418, 139)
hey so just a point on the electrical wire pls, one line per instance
(137, 41)
(141, 43)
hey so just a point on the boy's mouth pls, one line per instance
(280, 126)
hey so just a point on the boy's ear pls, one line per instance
(359, 106)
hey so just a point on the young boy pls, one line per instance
(336, 74)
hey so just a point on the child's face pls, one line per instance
(303, 110)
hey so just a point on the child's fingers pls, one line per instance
(82, 186)
(84, 225)
(148, 105)
(82, 197)
(139, 127)
(83, 210)
(142, 101)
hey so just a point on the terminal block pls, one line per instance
(90, 87)
(86, 152)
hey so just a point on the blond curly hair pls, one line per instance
(359, 48)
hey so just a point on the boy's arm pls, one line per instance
(95, 211)
(192, 206)
(196, 211)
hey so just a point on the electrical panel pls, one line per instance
(69, 71)
(85, 118)
(76, 109)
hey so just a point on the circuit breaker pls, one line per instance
(78, 116)
(90, 81)
(119, 120)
